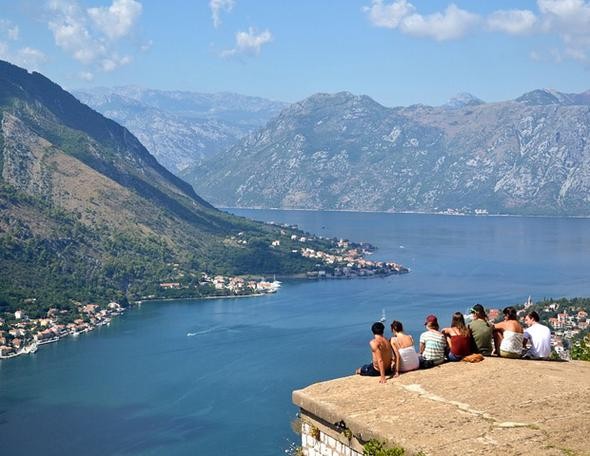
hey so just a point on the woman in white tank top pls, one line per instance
(403, 347)
(508, 335)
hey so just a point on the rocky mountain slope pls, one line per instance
(340, 151)
(182, 128)
(86, 213)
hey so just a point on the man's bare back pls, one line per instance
(382, 354)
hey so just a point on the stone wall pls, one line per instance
(319, 438)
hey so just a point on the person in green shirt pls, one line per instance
(481, 331)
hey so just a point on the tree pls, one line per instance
(581, 349)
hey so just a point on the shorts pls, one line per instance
(370, 371)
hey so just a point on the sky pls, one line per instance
(399, 52)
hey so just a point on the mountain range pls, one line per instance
(88, 214)
(346, 152)
(182, 128)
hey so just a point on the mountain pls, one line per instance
(553, 97)
(463, 99)
(87, 214)
(341, 151)
(182, 128)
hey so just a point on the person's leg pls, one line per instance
(368, 370)
(505, 354)
(454, 358)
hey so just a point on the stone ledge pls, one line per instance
(498, 406)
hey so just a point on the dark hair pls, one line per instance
(397, 326)
(478, 310)
(378, 328)
(509, 312)
(459, 322)
(534, 315)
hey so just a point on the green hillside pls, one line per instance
(87, 214)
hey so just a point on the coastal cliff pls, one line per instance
(498, 406)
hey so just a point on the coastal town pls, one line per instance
(20, 334)
(23, 335)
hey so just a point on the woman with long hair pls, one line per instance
(458, 338)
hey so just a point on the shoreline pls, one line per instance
(141, 301)
(366, 211)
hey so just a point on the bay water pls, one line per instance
(214, 377)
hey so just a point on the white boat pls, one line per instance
(274, 286)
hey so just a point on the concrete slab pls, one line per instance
(497, 406)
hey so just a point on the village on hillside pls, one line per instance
(567, 319)
(23, 335)
(20, 334)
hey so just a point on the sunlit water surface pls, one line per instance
(214, 377)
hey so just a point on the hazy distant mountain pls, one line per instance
(340, 151)
(462, 100)
(88, 214)
(182, 128)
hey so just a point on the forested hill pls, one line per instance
(88, 214)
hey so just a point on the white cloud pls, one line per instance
(9, 29)
(26, 57)
(86, 76)
(217, 6)
(388, 16)
(570, 19)
(513, 22)
(69, 27)
(451, 24)
(249, 43)
(454, 23)
(113, 62)
(117, 20)
(90, 35)
(31, 58)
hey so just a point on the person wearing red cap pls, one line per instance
(432, 344)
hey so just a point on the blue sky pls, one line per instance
(399, 52)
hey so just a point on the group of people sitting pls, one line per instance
(506, 339)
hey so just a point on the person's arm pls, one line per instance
(421, 344)
(395, 360)
(499, 327)
(379, 357)
(525, 338)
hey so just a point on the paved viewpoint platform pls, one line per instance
(497, 406)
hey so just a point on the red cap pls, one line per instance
(431, 319)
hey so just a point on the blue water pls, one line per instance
(143, 386)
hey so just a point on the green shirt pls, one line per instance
(482, 335)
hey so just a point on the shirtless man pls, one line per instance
(382, 355)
